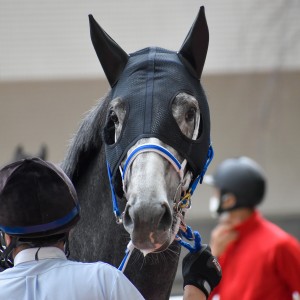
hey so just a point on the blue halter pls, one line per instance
(166, 154)
(185, 231)
(138, 150)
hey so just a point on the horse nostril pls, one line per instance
(143, 219)
(166, 219)
(127, 220)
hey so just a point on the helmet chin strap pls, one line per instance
(6, 259)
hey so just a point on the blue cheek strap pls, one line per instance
(116, 210)
(199, 178)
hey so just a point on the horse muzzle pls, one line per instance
(149, 225)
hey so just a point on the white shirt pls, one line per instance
(53, 277)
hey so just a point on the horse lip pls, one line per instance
(149, 247)
(155, 249)
(163, 247)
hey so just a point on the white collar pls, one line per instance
(43, 253)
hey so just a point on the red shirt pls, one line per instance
(263, 263)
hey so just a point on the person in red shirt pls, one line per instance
(259, 260)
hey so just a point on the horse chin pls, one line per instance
(157, 248)
(158, 244)
(163, 247)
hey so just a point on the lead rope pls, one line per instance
(125, 260)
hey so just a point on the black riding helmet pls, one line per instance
(243, 178)
(37, 201)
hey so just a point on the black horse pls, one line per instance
(153, 125)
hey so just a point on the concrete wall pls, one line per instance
(50, 39)
(44, 112)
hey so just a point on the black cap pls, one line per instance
(37, 199)
(242, 177)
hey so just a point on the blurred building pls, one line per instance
(50, 76)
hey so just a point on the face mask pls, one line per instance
(214, 204)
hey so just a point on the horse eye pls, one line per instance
(190, 115)
(113, 117)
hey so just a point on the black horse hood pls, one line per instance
(151, 80)
(148, 81)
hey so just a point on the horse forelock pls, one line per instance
(87, 139)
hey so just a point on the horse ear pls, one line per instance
(43, 152)
(194, 48)
(111, 56)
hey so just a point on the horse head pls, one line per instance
(157, 130)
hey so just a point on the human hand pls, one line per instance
(221, 237)
(202, 270)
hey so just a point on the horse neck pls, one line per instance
(97, 236)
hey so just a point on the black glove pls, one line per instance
(202, 270)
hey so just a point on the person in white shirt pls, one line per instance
(39, 206)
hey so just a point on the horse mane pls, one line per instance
(87, 141)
